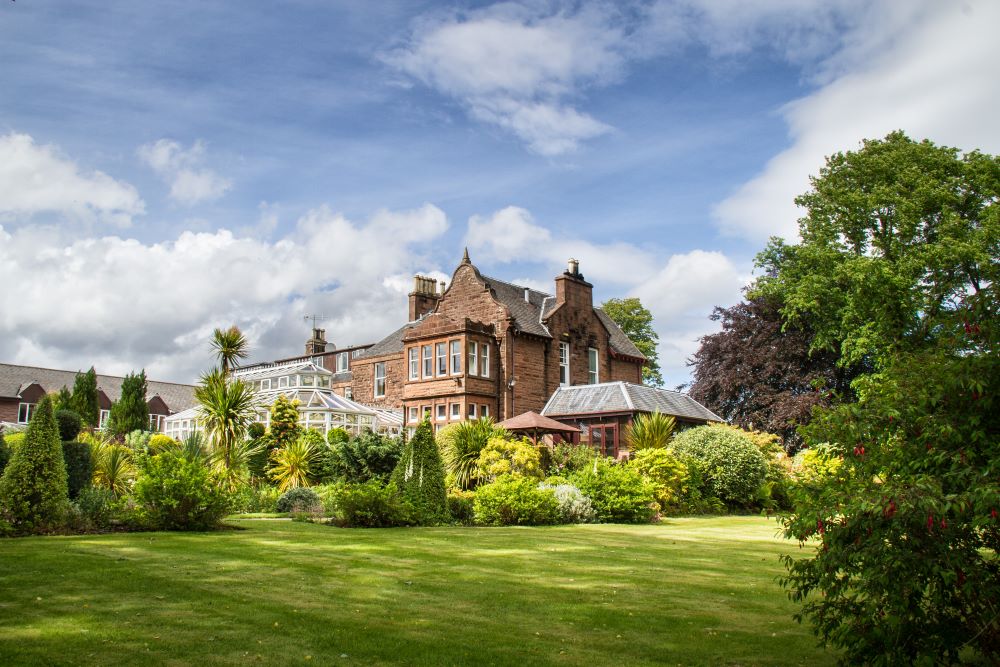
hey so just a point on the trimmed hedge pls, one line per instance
(618, 493)
(70, 424)
(79, 466)
(513, 500)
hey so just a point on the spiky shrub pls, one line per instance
(176, 493)
(665, 471)
(79, 466)
(226, 408)
(512, 500)
(461, 445)
(650, 431)
(509, 457)
(618, 493)
(732, 467)
(70, 424)
(292, 465)
(34, 493)
(419, 476)
(113, 467)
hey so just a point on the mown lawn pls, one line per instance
(698, 591)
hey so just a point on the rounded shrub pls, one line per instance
(665, 471)
(177, 493)
(300, 499)
(618, 493)
(501, 456)
(574, 507)
(372, 505)
(256, 431)
(160, 442)
(70, 424)
(461, 506)
(79, 466)
(515, 501)
(732, 466)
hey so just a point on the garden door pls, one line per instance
(604, 439)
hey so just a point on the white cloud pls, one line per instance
(931, 73)
(189, 183)
(37, 180)
(517, 68)
(122, 304)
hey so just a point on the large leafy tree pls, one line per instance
(898, 266)
(130, 412)
(637, 323)
(84, 399)
(230, 346)
(759, 373)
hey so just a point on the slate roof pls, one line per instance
(620, 343)
(14, 378)
(391, 344)
(587, 399)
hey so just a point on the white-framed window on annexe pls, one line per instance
(564, 364)
(414, 359)
(593, 372)
(102, 419)
(24, 412)
(156, 422)
(379, 371)
(343, 362)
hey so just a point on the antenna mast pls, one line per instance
(314, 318)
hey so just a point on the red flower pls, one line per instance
(930, 522)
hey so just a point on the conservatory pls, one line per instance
(320, 408)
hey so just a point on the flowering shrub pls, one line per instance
(515, 501)
(574, 507)
(618, 493)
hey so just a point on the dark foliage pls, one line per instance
(419, 476)
(300, 499)
(70, 424)
(79, 466)
(130, 412)
(84, 399)
(4, 453)
(758, 376)
(368, 456)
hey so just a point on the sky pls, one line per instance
(168, 168)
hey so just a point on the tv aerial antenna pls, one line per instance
(314, 318)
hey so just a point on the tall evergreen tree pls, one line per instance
(84, 399)
(34, 494)
(419, 475)
(130, 412)
(63, 400)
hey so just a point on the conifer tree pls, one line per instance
(130, 412)
(84, 399)
(419, 475)
(63, 400)
(33, 489)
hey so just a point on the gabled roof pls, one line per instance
(13, 379)
(620, 343)
(528, 313)
(391, 344)
(276, 369)
(606, 397)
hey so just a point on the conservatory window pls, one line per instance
(456, 357)
(342, 362)
(593, 374)
(414, 355)
(380, 379)
(564, 364)
(282, 382)
(428, 354)
(442, 412)
(306, 381)
(441, 352)
(485, 368)
(24, 412)
(456, 410)
(473, 358)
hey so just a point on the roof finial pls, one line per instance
(465, 257)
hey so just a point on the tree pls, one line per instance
(84, 399)
(759, 373)
(898, 268)
(130, 412)
(226, 409)
(63, 399)
(34, 493)
(284, 421)
(230, 346)
(637, 323)
(419, 476)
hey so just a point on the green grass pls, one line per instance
(689, 591)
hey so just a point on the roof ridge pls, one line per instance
(628, 398)
(510, 284)
(100, 375)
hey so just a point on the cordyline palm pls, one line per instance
(650, 431)
(461, 445)
(227, 409)
(292, 465)
(230, 346)
(113, 467)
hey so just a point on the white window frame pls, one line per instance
(484, 360)
(472, 410)
(28, 409)
(377, 391)
(413, 414)
(456, 410)
(348, 393)
(268, 381)
(282, 382)
(103, 416)
(484, 411)
(563, 363)
(427, 354)
(473, 358)
(441, 358)
(343, 362)
(442, 412)
(455, 348)
(414, 359)
(593, 366)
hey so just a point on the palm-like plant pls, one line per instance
(461, 445)
(230, 346)
(292, 464)
(227, 409)
(113, 467)
(653, 430)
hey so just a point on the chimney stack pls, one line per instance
(573, 289)
(316, 344)
(424, 297)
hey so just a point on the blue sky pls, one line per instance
(170, 167)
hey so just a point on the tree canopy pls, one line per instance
(637, 323)
(84, 399)
(130, 412)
